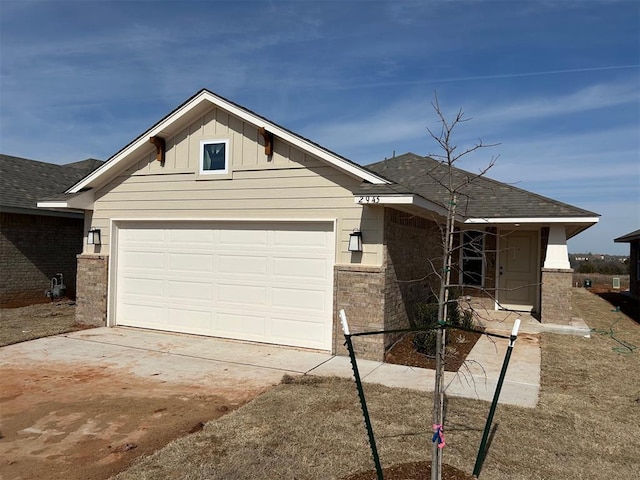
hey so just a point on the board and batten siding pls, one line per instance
(288, 185)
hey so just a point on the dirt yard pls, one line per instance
(107, 417)
(37, 321)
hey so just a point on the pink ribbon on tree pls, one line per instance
(438, 435)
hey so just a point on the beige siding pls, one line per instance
(289, 185)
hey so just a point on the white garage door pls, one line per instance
(267, 282)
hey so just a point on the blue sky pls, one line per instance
(556, 83)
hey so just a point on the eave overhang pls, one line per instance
(406, 199)
(63, 213)
(629, 237)
(198, 105)
(566, 220)
(573, 225)
(79, 202)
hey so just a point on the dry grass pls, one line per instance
(585, 427)
(35, 321)
(601, 280)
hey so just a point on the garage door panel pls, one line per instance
(304, 300)
(150, 261)
(242, 325)
(189, 320)
(143, 286)
(201, 292)
(239, 294)
(267, 282)
(151, 315)
(302, 268)
(143, 236)
(191, 237)
(242, 265)
(289, 330)
(243, 237)
(190, 262)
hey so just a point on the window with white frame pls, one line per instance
(214, 157)
(472, 243)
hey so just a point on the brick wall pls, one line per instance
(412, 249)
(359, 290)
(91, 308)
(556, 295)
(33, 249)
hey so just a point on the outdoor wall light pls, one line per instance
(93, 237)
(355, 241)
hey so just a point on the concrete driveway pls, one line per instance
(84, 405)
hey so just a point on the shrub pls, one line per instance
(427, 316)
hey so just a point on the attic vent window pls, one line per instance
(214, 157)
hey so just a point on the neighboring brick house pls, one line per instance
(217, 221)
(35, 243)
(633, 239)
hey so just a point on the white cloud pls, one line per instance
(593, 97)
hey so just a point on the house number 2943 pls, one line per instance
(368, 199)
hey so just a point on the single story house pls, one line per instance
(36, 244)
(217, 221)
(633, 239)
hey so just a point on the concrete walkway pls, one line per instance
(197, 360)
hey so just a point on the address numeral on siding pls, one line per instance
(368, 199)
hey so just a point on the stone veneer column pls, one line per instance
(359, 290)
(91, 298)
(556, 295)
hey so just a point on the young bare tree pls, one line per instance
(455, 189)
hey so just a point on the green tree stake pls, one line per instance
(363, 402)
(485, 435)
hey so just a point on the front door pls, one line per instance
(518, 270)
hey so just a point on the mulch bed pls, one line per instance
(403, 352)
(412, 471)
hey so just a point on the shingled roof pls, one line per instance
(482, 198)
(23, 182)
(629, 237)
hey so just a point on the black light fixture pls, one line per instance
(93, 237)
(355, 241)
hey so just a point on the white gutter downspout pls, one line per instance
(557, 253)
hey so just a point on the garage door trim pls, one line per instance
(169, 228)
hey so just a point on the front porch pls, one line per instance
(527, 272)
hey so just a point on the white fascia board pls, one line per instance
(143, 140)
(56, 204)
(581, 220)
(384, 199)
(84, 201)
(407, 199)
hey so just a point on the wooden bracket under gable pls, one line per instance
(268, 140)
(160, 147)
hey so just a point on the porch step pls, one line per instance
(502, 322)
